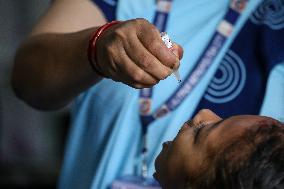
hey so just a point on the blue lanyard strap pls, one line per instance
(162, 13)
(208, 56)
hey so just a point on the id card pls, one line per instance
(134, 182)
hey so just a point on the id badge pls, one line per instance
(135, 182)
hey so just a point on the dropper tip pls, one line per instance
(176, 73)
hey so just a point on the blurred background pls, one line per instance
(31, 142)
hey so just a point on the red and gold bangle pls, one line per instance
(92, 56)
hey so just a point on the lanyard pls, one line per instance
(208, 56)
(160, 21)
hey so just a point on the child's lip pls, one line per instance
(190, 123)
(155, 175)
(167, 143)
(186, 125)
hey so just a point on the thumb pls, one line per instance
(177, 50)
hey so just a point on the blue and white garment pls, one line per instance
(257, 53)
(246, 77)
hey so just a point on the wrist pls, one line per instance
(92, 56)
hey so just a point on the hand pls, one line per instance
(133, 52)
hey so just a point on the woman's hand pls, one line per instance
(133, 52)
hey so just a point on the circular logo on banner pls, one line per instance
(145, 106)
(228, 81)
(270, 13)
(238, 5)
(161, 112)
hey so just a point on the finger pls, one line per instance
(177, 50)
(132, 74)
(145, 60)
(125, 78)
(151, 39)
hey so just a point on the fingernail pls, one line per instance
(178, 64)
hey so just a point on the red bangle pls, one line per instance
(92, 45)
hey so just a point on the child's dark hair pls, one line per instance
(254, 161)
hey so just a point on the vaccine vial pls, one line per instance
(166, 39)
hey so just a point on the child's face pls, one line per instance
(189, 155)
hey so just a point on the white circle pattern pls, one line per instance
(270, 13)
(232, 80)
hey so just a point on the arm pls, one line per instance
(51, 66)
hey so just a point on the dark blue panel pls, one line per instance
(108, 7)
(258, 47)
